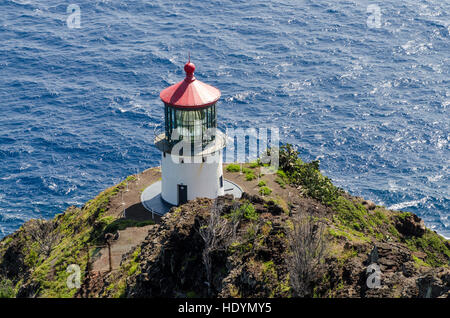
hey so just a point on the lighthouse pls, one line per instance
(191, 145)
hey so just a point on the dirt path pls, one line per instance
(128, 239)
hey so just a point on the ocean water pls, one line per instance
(370, 101)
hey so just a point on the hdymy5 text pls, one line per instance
(225, 308)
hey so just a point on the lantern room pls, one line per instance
(190, 109)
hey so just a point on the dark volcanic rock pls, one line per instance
(253, 259)
(434, 284)
(252, 198)
(410, 225)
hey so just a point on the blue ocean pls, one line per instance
(362, 86)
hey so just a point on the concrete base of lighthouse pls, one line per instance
(151, 197)
(183, 181)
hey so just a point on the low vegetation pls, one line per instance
(310, 240)
(49, 247)
(352, 220)
(434, 246)
(248, 172)
(306, 175)
(264, 190)
(233, 167)
(6, 289)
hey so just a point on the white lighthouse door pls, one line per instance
(182, 194)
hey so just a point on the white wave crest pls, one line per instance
(402, 205)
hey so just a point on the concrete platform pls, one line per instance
(151, 199)
(151, 196)
(232, 188)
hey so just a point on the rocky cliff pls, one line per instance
(292, 234)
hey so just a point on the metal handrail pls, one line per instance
(217, 143)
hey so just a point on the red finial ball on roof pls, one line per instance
(189, 68)
(190, 92)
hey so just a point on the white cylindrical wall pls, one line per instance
(202, 179)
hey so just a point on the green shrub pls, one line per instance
(250, 176)
(249, 211)
(75, 229)
(281, 182)
(282, 174)
(247, 170)
(306, 175)
(269, 272)
(32, 255)
(233, 167)
(254, 164)
(133, 269)
(288, 158)
(262, 183)
(133, 265)
(264, 190)
(316, 185)
(6, 289)
(245, 210)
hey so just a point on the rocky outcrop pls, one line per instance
(410, 224)
(171, 261)
(253, 260)
(434, 284)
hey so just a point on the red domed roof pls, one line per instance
(190, 92)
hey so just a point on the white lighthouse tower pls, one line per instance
(191, 145)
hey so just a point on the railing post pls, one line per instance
(108, 237)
